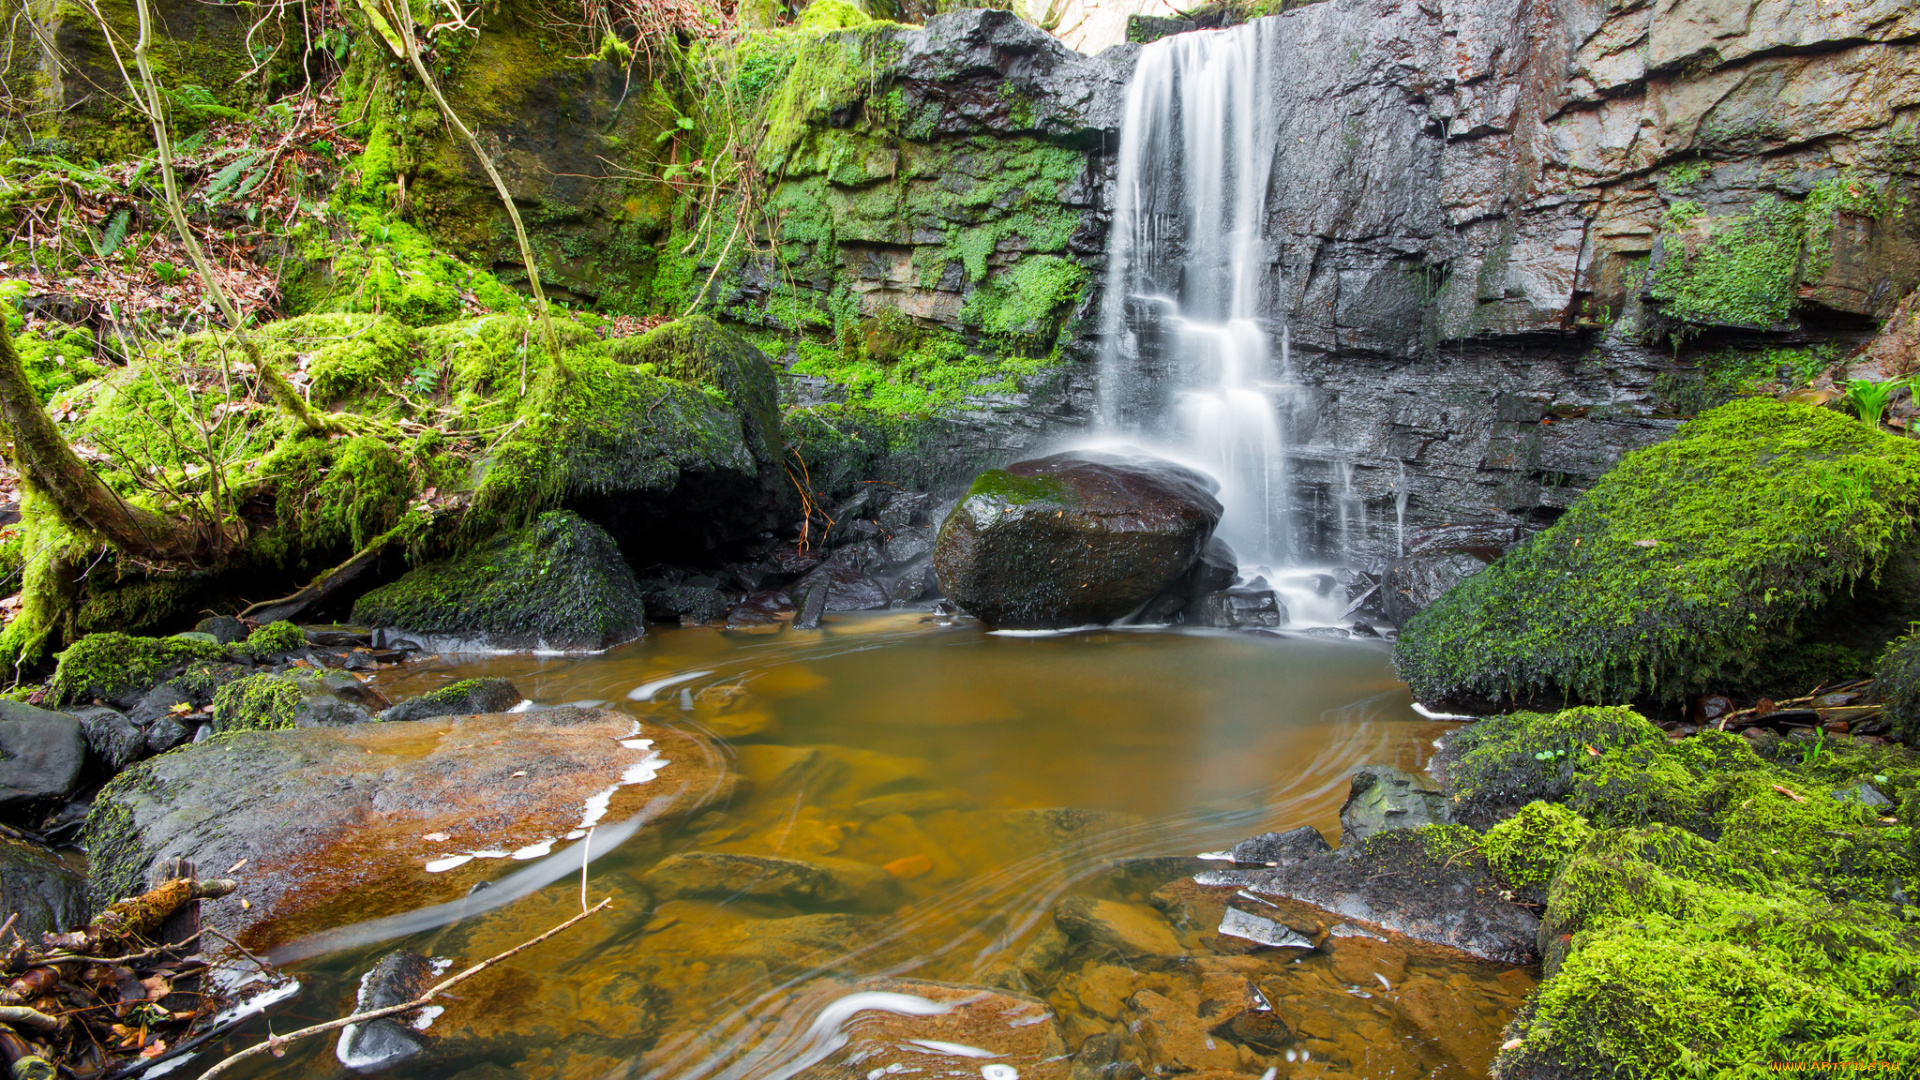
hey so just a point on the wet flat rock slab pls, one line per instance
(336, 825)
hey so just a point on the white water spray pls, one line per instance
(1186, 362)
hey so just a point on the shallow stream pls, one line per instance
(990, 776)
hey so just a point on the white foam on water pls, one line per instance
(534, 851)
(951, 1049)
(1048, 633)
(999, 1072)
(451, 862)
(1433, 715)
(645, 691)
(428, 1015)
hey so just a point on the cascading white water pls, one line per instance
(1186, 364)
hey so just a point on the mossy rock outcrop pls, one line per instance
(699, 351)
(1710, 905)
(1686, 567)
(558, 584)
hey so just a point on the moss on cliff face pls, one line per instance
(1683, 568)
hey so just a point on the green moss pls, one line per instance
(1896, 678)
(257, 703)
(1737, 271)
(371, 359)
(1528, 847)
(338, 494)
(1019, 490)
(936, 374)
(700, 352)
(1684, 568)
(273, 639)
(559, 582)
(1023, 306)
(1855, 196)
(101, 666)
(831, 15)
(1504, 762)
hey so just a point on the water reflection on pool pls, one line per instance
(965, 783)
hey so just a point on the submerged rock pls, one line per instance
(897, 1027)
(838, 883)
(1073, 539)
(41, 753)
(557, 584)
(1131, 929)
(1240, 609)
(398, 978)
(345, 823)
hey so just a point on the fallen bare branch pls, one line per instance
(277, 1043)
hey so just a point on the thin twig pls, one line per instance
(276, 1044)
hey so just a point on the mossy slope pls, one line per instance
(1682, 569)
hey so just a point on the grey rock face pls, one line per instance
(1280, 849)
(46, 893)
(1240, 609)
(113, 740)
(1382, 798)
(41, 753)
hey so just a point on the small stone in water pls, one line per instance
(910, 867)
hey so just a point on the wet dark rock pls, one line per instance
(398, 977)
(113, 740)
(759, 609)
(865, 556)
(1240, 609)
(1073, 539)
(359, 660)
(908, 544)
(904, 510)
(1281, 849)
(165, 699)
(42, 889)
(1252, 1021)
(1413, 583)
(224, 629)
(559, 583)
(297, 803)
(41, 753)
(1396, 882)
(468, 697)
(913, 584)
(811, 605)
(1213, 571)
(1132, 929)
(692, 605)
(337, 638)
(165, 733)
(846, 589)
(838, 883)
(1381, 797)
(791, 562)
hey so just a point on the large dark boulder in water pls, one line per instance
(41, 753)
(1073, 539)
(557, 584)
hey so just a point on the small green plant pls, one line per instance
(1811, 753)
(1868, 399)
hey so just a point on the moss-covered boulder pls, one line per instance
(293, 699)
(468, 697)
(1686, 567)
(699, 351)
(117, 668)
(557, 584)
(1073, 539)
(1709, 905)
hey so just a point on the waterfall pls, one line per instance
(1186, 359)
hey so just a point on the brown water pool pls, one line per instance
(989, 777)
